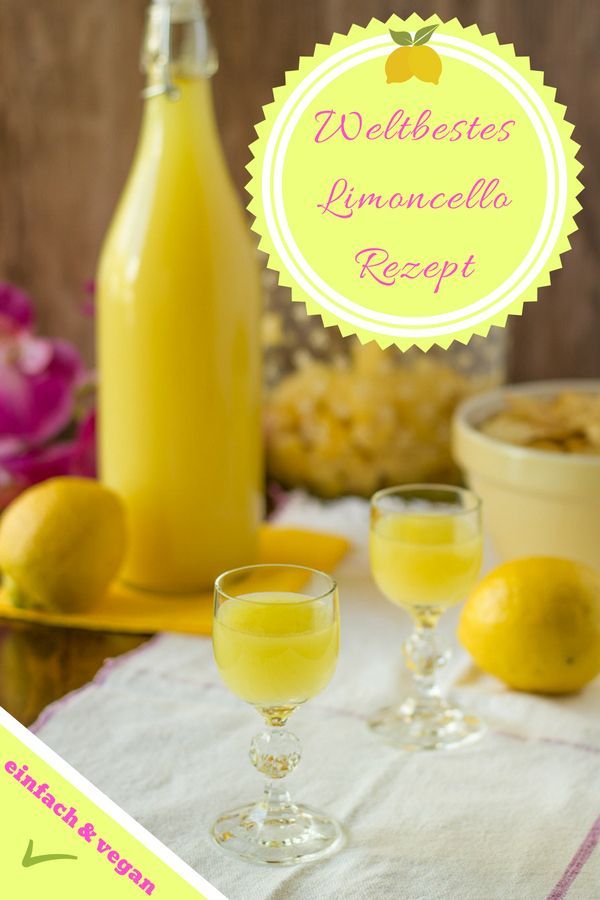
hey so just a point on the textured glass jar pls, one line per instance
(343, 418)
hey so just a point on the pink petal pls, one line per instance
(35, 354)
(9, 446)
(30, 466)
(36, 407)
(74, 457)
(84, 461)
(40, 463)
(16, 310)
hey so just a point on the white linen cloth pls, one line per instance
(515, 816)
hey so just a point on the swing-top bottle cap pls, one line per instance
(177, 43)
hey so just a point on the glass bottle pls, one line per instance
(178, 342)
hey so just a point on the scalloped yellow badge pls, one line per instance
(414, 182)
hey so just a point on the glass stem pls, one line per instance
(424, 658)
(275, 752)
(276, 796)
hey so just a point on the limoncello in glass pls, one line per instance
(423, 562)
(178, 299)
(275, 649)
(276, 642)
(426, 549)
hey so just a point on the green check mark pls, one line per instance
(30, 860)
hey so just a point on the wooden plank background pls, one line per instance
(70, 109)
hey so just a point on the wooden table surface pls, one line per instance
(69, 120)
(38, 664)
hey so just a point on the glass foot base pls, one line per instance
(281, 836)
(413, 727)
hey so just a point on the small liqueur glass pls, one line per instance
(425, 549)
(276, 643)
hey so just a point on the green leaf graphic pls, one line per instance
(423, 34)
(401, 37)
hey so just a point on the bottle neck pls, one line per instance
(177, 45)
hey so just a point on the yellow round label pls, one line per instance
(414, 182)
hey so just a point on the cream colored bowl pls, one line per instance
(534, 502)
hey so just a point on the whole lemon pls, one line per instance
(425, 63)
(397, 65)
(535, 624)
(61, 543)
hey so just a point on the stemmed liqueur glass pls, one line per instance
(276, 642)
(425, 549)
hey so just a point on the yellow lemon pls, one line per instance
(425, 63)
(397, 66)
(61, 543)
(535, 624)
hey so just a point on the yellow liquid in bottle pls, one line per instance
(178, 349)
(276, 650)
(425, 560)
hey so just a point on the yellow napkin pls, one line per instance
(128, 611)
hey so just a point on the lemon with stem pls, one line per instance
(413, 58)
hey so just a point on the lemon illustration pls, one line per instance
(397, 66)
(413, 58)
(61, 543)
(535, 624)
(425, 63)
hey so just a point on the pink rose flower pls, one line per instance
(40, 380)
